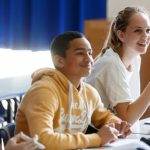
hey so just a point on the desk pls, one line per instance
(16, 68)
(14, 86)
(132, 141)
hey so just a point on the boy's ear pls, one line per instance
(58, 61)
(120, 35)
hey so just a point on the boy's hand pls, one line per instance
(108, 133)
(124, 128)
(13, 144)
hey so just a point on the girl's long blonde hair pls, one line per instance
(120, 22)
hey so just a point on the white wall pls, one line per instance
(114, 6)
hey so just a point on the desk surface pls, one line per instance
(16, 85)
(16, 68)
(132, 141)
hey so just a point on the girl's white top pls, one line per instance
(113, 81)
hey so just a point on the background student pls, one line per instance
(115, 73)
(18, 142)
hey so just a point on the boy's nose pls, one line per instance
(89, 58)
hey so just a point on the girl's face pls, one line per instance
(136, 37)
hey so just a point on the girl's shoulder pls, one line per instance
(109, 58)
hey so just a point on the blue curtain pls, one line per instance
(31, 24)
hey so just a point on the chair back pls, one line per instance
(6, 132)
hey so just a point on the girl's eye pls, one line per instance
(140, 31)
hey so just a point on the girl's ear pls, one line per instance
(58, 61)
(120, 35)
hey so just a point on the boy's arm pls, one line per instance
(102, 116)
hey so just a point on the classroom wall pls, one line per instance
(113, 6)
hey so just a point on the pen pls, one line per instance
(26, 138)
(147, 123)
(2, 142)
(140, 133)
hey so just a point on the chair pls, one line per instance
(8, 107)
(6, 132)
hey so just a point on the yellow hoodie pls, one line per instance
(60, 114)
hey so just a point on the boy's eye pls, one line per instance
(148, 31)
(83, 53)
(138, 30)
(90, 53)
(79, 53)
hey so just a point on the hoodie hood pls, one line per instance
(54, 74)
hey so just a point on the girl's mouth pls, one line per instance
(142, 44)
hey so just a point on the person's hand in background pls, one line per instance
(23, 142)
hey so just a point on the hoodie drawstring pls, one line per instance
(70, 102)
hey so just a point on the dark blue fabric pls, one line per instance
(31, 24)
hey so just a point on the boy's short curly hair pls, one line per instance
(60, 43)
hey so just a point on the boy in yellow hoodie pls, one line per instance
(59, 106)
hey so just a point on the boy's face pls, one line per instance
(78, 60)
